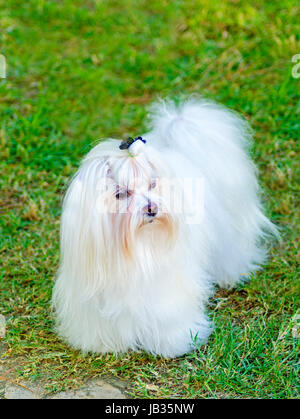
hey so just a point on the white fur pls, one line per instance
(128, 283)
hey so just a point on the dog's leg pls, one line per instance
(177, 341)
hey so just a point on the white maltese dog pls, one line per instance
(151, 225)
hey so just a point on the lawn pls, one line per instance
(80, 70)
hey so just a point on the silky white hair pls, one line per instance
(134, 272)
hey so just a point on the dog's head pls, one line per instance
(125, 199)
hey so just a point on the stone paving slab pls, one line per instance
(93, 389)
(22, 391)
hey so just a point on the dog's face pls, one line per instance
(135, 202)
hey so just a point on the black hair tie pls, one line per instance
(127, 143)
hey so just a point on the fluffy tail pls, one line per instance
(199, 124)
(216, 141)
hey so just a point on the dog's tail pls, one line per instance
(198, 124)
(216, 142)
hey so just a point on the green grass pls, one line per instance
(79, 70)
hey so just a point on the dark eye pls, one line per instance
(123, 194)
(152, 184)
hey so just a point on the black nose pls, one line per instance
(151, 209)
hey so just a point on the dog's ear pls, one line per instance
(82, 235)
